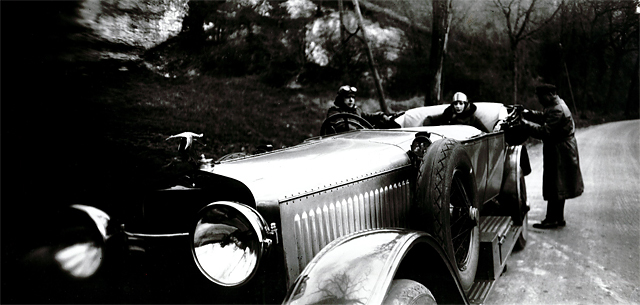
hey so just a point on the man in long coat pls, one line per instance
(561, 177)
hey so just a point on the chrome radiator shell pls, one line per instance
(310, 222)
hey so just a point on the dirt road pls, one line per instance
(595, 259)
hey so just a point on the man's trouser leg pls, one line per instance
(558, 210)
(555, 215)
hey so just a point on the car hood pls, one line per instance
(322, 163)
(318, 164)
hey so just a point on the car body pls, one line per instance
(251, 229)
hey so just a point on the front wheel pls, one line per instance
(408, 292)
(448, 207)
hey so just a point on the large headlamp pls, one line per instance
(75, 244)
(82, 256)
(228, 241)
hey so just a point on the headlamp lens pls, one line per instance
(80, 260)
(80, 250)
(228, 243)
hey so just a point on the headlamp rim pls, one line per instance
(257, 224)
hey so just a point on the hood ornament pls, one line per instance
(187, 153)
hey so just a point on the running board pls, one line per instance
(498, 235)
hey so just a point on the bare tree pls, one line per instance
(442, 15)
(520, 27)
(621, 36)
(372, 64)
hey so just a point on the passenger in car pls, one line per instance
(345, 102)
(459, 112)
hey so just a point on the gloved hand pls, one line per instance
(528, 113)
(528, 125)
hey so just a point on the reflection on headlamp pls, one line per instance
(228, 242)
(81, 260)
(76, 243)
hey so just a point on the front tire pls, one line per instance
(448, 207)
(408, 292)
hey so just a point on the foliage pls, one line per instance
(100, 126)
(596, 38)
(133, 23)
(589, 48)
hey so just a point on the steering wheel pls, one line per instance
(390, 122)
(341, 122)
(397, 115)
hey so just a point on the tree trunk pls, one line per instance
(440, 34)
(613, 81)
(634, 95)
(341, 10)
(520, 29)
(342, 54)
(372, 65)
(194, 20)
(514, 51)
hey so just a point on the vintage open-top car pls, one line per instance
(366, 216)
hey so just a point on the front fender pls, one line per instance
(359, 269)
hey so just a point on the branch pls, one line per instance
(350, 34)
(507, 14)
(392, 15)
(526, 18)
(518, 16)
(530, 33)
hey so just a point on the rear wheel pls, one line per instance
(524, 235)
(408, 292)
(516, 206)
(448, 206)
(520, 215)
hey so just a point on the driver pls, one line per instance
(459, 112)
(345, 102)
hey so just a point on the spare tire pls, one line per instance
(447, 205)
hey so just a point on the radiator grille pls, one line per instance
(320, 219)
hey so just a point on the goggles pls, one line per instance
(347, 91)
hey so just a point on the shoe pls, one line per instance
(549, 224)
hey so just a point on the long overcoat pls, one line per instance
(561, 178)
